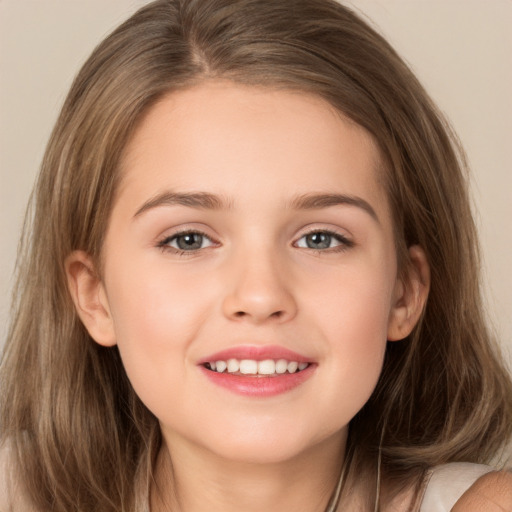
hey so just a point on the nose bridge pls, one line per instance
(258, 289)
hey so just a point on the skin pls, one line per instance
(254, 281)
(491, 493)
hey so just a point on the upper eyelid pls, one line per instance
(184, 231)
(187, 232)
(330, 231)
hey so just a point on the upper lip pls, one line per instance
(257, 353)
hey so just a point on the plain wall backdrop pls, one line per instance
(460, 50)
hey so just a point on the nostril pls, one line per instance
(275, 314)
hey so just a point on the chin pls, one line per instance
(266, 446)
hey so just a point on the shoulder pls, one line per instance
(458, 486)
(490, 493)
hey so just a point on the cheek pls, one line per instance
(156, 318)
(359, 330)
(353, 317)
(152, 301)
(354, 302)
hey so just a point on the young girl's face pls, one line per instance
(250, 225)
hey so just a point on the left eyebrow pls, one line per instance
(201, 200)
(318, 201)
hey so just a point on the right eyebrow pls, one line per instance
(201, 200)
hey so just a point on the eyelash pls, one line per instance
(165, 247)
(344, 243)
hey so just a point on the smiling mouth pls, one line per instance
(253, 368)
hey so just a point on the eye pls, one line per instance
(322, 240)
(186, 241)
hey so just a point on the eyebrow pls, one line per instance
(318, 201)
(201, 200)
(207, 201)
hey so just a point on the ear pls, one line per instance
(88, 294)
(410, 296)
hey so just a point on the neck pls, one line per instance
(193, 478)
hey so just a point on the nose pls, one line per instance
(258, 290)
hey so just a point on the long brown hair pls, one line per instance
(80, 436)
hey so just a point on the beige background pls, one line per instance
(460, 49)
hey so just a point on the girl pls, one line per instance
(250, 281)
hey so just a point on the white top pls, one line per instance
(448, 483)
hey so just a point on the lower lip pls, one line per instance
(259, 386)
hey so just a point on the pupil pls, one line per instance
(190, 241)
(318, 241)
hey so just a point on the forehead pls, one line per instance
(222, 137)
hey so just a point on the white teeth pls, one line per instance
(221, 366)
(267, 367)
(248, 367)
(253, 367)
(281, 366)
(233, 365)
(292, 367)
